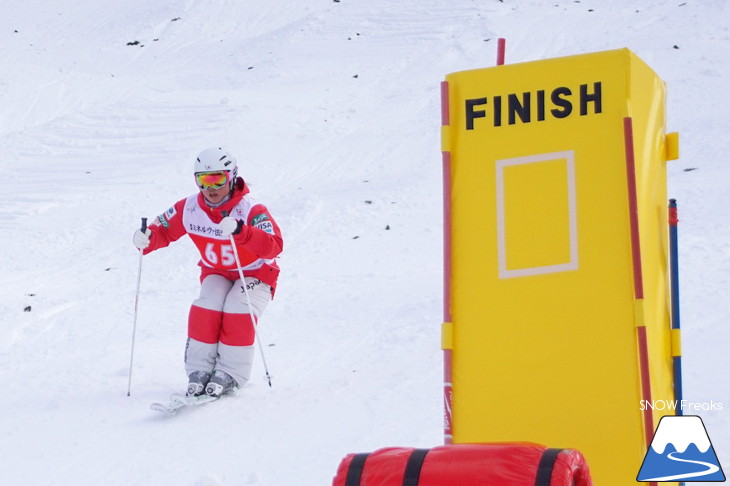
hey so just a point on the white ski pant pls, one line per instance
(221, 332)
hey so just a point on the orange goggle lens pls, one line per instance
(214, 180)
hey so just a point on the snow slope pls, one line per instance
(333, 109)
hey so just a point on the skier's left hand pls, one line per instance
(230, 226)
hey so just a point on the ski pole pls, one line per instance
(250, 307)
(136, 302)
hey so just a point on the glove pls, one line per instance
(141, 240)
(230, 226)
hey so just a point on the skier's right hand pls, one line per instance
(141, 240)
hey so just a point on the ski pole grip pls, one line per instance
(144, 225)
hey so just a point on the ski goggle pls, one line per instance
(212, 180)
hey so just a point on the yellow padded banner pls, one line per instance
(545, 296)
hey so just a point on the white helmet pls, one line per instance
(216, 159)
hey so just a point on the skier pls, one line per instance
(221, 327)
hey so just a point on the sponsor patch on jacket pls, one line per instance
(164, 218)
(266, 226)
(261, 217)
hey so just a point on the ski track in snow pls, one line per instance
(333, 110)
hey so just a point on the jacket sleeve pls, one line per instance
(167, 227)
(261, 235)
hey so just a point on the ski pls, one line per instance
(178, 401)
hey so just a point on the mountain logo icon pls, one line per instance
(681, 451)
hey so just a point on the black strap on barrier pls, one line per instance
(413, 467)
(545, 467)
(354, 472)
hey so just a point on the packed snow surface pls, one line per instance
(333, 110)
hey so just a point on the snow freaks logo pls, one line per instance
(680, 451)
(681, 405)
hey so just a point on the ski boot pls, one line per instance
(196, 383)
(221, 383)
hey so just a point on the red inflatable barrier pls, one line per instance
(509, 464)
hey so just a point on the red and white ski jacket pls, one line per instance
(258, 243)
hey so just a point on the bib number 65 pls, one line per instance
(219, 253)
